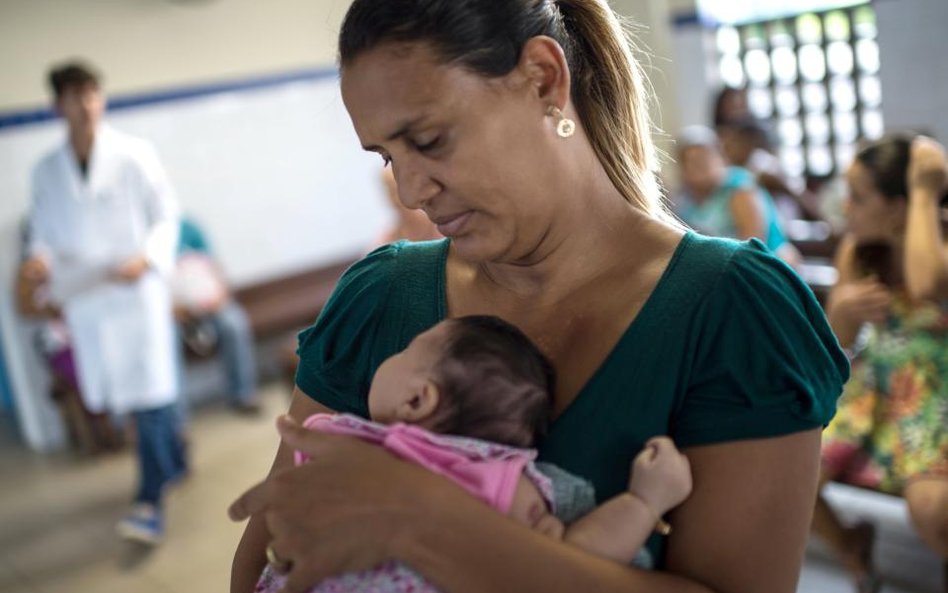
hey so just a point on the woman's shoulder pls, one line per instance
(379, 303)
(765, 361)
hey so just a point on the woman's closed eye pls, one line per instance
(426, 145)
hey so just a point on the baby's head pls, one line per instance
(475, 376)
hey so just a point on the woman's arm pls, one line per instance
(747, 215)
(926, 256)
(250, 559)
(749, 513)
(745, 526)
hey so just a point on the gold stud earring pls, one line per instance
(565, 127)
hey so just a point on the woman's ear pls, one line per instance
(421, 405)
(543, 64)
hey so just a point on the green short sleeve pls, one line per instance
(334, 352)
(766, 362)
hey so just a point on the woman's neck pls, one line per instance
(595, 234)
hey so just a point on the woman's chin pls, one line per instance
(474, 249)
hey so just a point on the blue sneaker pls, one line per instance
(144, 524)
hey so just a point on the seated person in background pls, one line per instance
(730, 105)
(890, 309)
(722, 201)
(468, 399)
(745, 144)
(409, 224)
(90, 432)
(210, 316)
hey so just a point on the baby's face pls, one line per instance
(402, 377)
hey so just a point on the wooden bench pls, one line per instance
(289, 303)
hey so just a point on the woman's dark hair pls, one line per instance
(71, 74)
(487, 36)
(887, 162)
(496, 384)
(717, 114)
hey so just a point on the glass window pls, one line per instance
(732, 73)
(758, 66)
(814, 75)
(729, 41)
(820, 160)
(842, 93)
(867, 52)
(865, 20)
(780, 34)
(809, 28)
(760, 102)
(837, 26)
(844, 126)
(870, 91)
(812, 62)
(817, 128)
(839, 57)
(814, 96)
(791, 157)
(784, 64)
(788, 102)
(791, 132)
(872, 127)
(844, 156)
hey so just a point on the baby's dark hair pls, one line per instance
(495, 383)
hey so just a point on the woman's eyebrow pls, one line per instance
(401, 131)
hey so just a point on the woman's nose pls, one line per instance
(415, 186)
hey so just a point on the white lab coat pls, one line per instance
(123, 333)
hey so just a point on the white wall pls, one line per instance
(913, 51)
(275, 174)
(143, 45)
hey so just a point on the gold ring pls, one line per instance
(278, 564)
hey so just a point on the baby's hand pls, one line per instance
(661, 475)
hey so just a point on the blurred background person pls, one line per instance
(725, 201)
(211, 319)
(105, 222)
(730, 106)
(745, 143)
(89, 432)
(890, 309)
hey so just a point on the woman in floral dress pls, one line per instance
(890, 311)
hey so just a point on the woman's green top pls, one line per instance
(730, 345)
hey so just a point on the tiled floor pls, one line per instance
(57, 516)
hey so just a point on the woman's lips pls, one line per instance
(450, 226)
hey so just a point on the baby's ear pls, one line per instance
(422, 404)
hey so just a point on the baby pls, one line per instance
(469, 399)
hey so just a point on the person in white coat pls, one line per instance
(105, 220)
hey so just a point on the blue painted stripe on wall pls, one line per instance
(31, 116)
(687, 18)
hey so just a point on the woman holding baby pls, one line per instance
(520, 128)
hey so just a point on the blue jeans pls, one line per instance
(235, 343)
(161, 456)
(235, 340)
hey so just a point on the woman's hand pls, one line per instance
(858, 302)
(342, 511)
(661, 475)
(928, 169)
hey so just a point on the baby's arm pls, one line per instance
(660, 481)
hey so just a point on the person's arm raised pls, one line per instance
(250, 558)
(926, 255)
